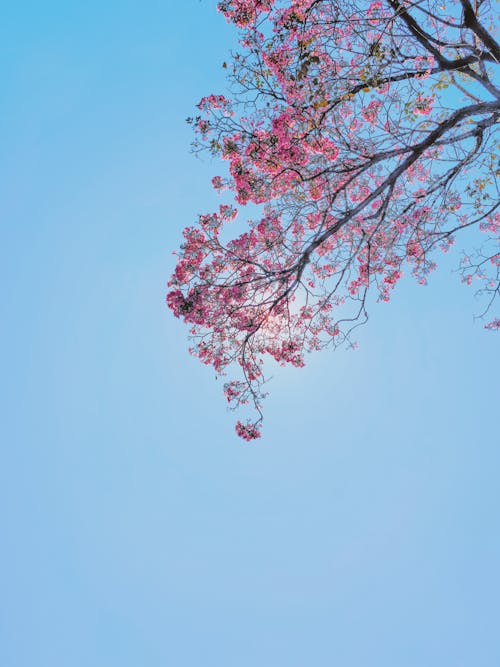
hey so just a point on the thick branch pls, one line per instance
(471, 21)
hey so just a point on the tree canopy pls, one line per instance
(368, 133)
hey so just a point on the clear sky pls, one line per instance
(363, 530)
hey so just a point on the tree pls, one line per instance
(368, 133)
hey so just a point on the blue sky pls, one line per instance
(137, 530)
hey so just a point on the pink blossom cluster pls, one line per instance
(422, 61)
(247, 431)
(370, 112)
(212, 102)
(243, 12)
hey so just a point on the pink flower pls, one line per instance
(247, 431)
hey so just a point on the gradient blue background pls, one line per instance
(136, 529)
